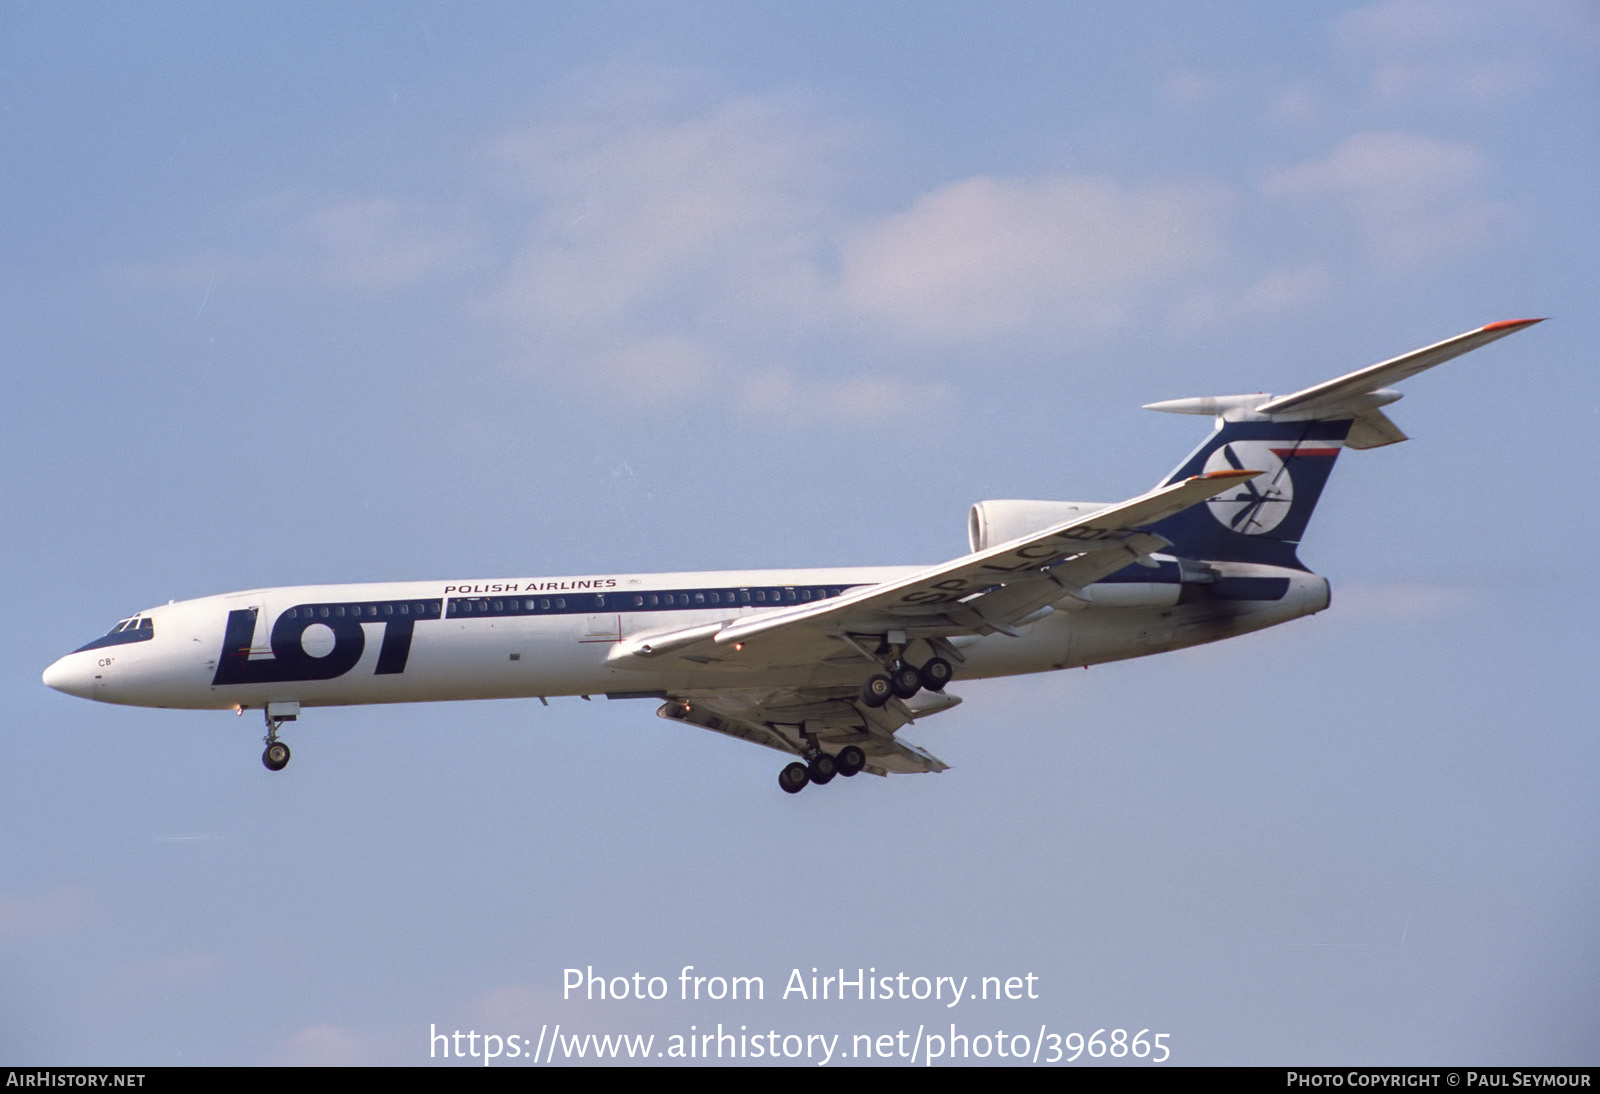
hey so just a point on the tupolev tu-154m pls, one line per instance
(827, 665)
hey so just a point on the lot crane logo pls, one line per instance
(1257, 505)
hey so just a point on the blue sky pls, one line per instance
(427, 291)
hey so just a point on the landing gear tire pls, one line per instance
(877, 690)
(936, 674)
(850, 760)
(822, 769)
(906, 681)
(276, 757)
(793, 778)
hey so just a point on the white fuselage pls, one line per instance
(326, 645)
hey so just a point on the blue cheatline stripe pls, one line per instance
(653, 600)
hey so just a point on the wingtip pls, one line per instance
(1513, 324)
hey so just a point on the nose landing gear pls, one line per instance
(276, 756)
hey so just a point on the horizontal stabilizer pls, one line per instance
(1295, 440)
(1328, 394)
(1355, 395)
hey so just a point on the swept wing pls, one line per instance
(986, 592)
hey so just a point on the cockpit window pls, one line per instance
(137, 629)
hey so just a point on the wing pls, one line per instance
(993, 591)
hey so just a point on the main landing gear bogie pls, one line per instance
(904, 681)
(821, 769)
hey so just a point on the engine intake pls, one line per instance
(994, 522)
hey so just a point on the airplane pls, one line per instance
(826, 665)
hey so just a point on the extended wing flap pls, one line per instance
(782, 719)
(1016, 600)
(903, 759)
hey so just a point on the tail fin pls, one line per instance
(1294, 441)
(1263, 519)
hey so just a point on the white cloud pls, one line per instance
(1408, 26)
(367, 244)
(379, 243)
(328, 1046)
(1190, 88)
(1448, 51)
(191, 967)
(664, 244)
(984, 256)
(661, 241)
(56, 911)
(1295, 104)
(783, 398)
(666, 249)
(1287, 289)
(667, 212)
(658, 367)
(1411, 198)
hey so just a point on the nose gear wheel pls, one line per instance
(276, 757)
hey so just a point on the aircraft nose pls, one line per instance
(72, 675)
